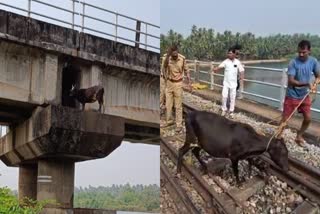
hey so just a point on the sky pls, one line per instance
(130, 163)
(262, 18)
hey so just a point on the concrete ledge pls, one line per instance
(31, 32)
(62, 132)
(144, 133)
(12, 111)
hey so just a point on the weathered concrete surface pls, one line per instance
(51, 37)
(14, 111)
(30, 77)
(138, 96)
(35, 58)
(28, 181)
(56, 181)
(27, 77)
(142, 133)
(306, 207)
(249, 189)
(62, 132)
(134, 96)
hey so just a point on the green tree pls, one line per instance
(205, 44)
(119, 197)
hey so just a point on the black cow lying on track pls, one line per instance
(89, 95)
(223, 138)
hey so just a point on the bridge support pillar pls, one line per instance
(47, 145)
(56, 182)
(28, 181)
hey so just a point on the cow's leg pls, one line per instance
(264, 169)
(190, 137)
(83, 106)
(196, 152)
(250, 162)
(182, 151)
(235, 170)
(267, 172)
(101, 106)
(100, 100)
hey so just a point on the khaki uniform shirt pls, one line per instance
(176, 68)
(162, 70)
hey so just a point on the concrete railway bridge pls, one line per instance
(48, 133)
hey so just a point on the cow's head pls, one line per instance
(72, 91)
(279, 153)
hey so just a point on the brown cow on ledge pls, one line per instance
(223, 138)
(89, 95)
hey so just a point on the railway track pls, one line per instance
(303, 179)
(214, 203)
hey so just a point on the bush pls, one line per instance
(9, 204)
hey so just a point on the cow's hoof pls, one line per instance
(266, 179)
(177, 175)
(178, 171)
(240, 185)
(204, 171)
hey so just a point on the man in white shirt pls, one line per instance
(231, 68)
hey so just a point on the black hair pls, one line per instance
(304, 44)
(232, 49)
(172, 48)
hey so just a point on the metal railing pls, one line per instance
(194, 66)
(148, 27)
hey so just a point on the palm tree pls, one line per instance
(205, 44)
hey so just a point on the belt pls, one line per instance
(172, 80)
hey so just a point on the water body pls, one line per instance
(265, 76)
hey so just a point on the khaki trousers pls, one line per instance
(174, 94)
(162, 91)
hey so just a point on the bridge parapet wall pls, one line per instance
(17, 28)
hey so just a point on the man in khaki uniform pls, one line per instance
(162, 87)
(175, 66)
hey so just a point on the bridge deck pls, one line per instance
(39, 62)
